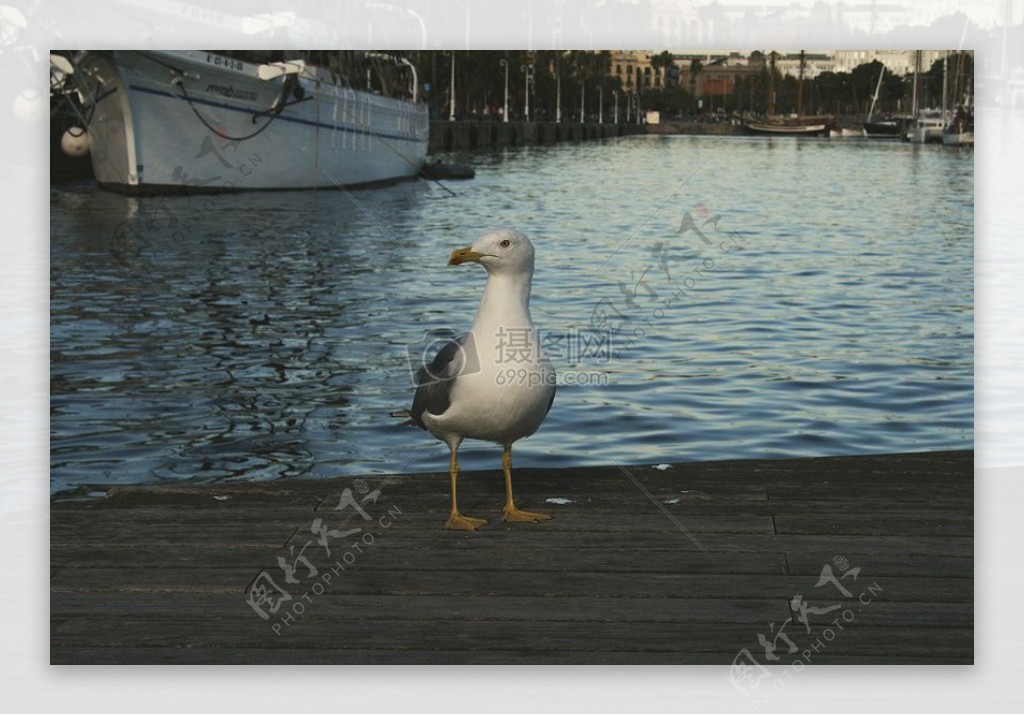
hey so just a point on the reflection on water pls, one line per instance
(792, 298)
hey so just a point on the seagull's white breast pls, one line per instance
(507, 383)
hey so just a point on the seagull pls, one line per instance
(494, 383)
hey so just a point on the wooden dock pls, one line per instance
(830, 560)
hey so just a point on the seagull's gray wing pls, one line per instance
(434, 381)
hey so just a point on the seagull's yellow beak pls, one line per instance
(464, 255)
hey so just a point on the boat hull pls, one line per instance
(885, 128)
(197, 121)
(807, 127)
(847, 133)
(928, 127)
(958, 138)
(926, 135)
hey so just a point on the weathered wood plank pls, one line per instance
(681, 638)
(952, 524)
(878, 496)
(603, 515)
(332, 656)
(495, 582)
(853, 472)
(271, 535)
(754, 610)
(879, 563)
(509, 557)
(565, 520)
(595, 556)
(881, 549)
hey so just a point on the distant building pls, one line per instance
(717, 75)
(719, 72)
(899, 62)
(635, 70)
(626, 66)
(814, 64)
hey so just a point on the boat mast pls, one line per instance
(917, 68)
(958, 88)
(945, 82)
(878, 88)
(963, 87)
(771, 84)
(800, 88)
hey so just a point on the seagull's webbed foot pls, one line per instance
(458, 522)
(513, 514)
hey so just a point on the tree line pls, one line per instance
(581, 82)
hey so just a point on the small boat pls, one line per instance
(928, 127)
(887, 127)
(451, 172)
(201, 121)
(931, 122)
(791, 125)
(960, 131)
(847, 133)
(794, 126)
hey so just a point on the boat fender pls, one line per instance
(75, 142)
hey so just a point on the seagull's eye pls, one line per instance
(505, 244)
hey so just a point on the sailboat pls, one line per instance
(930, 121)
(798, 125)
(887, 126)
(960, 130)
(928, 126)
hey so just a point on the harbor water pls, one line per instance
(703, 298)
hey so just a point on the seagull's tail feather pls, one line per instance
(403, 414)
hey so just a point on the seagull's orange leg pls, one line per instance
(455, 520)
(511, 513)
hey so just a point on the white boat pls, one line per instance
(847, 133)
(789, 126)
(960, 131)
(201, 121)
(958, 139)
(927, 129)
